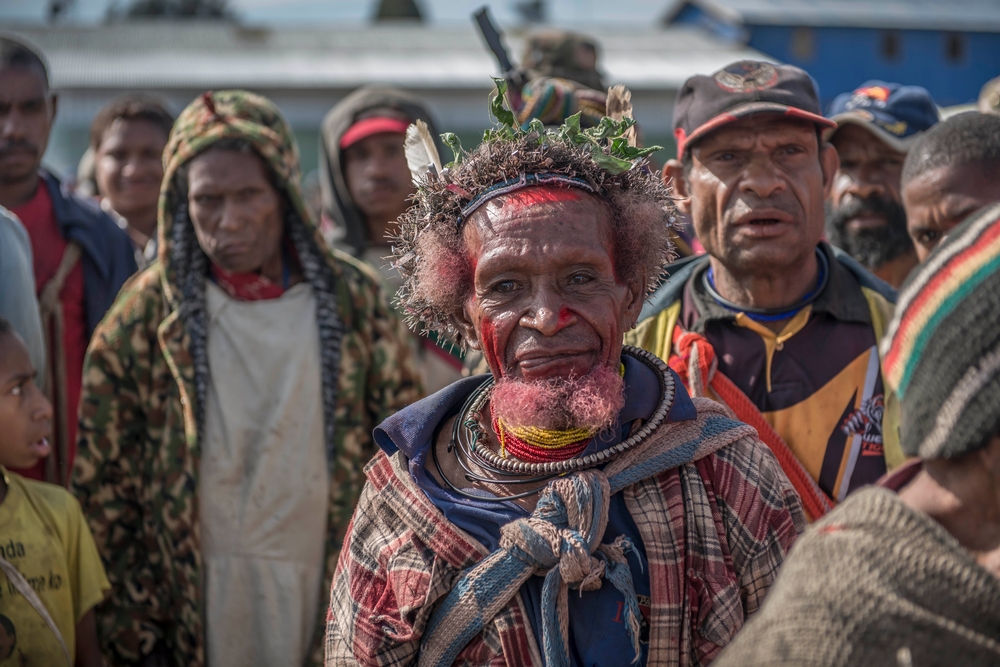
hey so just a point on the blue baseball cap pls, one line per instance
(894, 113)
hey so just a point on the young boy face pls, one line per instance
(25, 413)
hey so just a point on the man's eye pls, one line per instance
(505, 286)
(580, 279)
(18, 390)
(929, 236)
(206, 200)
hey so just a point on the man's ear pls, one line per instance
(467, 329)
(636, 300)
(673, 177)
(829, 162)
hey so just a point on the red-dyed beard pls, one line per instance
(592, 401)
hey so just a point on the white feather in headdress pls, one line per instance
(421, 152)
(619, 106)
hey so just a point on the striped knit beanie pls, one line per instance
(941, 352)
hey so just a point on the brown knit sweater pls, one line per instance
(875, 583)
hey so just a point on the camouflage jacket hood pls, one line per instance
(352, 230)
(146, 379)
(213, 117)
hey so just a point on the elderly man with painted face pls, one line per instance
(877, 124)
(773, 321)
(228, 404)
(656, 522)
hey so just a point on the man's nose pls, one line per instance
(864, 183)
(130, 168)
(762, 178)
(12, 126)
(376, 168)
(232, 216)
(42, 409)
(548, 317)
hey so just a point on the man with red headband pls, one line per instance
(773, 321)
(575, 459)
(365, 185)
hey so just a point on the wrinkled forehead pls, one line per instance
(540, 217)
(775, 128)
(528, 205)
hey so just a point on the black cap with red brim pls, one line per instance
(745, 88)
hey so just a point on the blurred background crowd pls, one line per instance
(308, 55)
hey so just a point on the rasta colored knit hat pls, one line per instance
(942, 350)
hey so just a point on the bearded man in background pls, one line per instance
(877, 124)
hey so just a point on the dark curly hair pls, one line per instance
(431, 254)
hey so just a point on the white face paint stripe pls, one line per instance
(970, 384)
(870, 378)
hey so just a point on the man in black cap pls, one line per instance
(774, 322)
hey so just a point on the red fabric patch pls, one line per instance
(246, 286)
(47, 247)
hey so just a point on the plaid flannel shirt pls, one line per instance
(715, 533)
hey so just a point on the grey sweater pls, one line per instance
(875, 583)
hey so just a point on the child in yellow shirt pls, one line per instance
(51, 575)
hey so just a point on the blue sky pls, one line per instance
(290, 12)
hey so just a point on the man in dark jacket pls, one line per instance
(81, 257)
(774, 322)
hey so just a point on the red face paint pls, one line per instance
(488, 334)
(542, 194)
(564, 317)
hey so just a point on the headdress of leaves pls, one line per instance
(611, 143)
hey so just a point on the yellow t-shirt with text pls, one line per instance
(44, 535)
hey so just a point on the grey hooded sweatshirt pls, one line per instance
(351, 229)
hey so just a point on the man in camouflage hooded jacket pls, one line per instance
(153, 390)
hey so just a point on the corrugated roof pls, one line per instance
(964, 15)
(204, 55)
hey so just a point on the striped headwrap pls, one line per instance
(941, 352)
(552, 101)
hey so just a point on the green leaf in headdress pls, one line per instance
(452, 141)
(606, 142)
(610, 163)
(503, 115)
